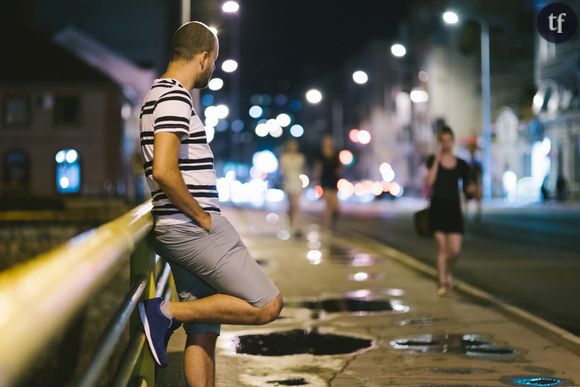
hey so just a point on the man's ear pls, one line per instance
(204, 59)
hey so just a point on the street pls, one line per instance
(355, 315)
(528, 257)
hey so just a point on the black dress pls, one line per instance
(445, 209)
(329, 174)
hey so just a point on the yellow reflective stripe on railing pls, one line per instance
(39, 297)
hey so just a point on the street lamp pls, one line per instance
(230, 7)
(398, 50)
(216, 84)
(451, 18)
(229, 66)
(313, 96)
(360, 77)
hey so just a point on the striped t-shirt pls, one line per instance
(168, 108)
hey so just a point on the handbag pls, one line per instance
(421, 222)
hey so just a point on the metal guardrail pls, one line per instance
(40, 297)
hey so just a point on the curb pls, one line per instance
(572, 341)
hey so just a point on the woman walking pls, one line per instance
(445, 216)
(328, 169)
(292, 166)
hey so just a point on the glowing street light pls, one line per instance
(313, 96)
(360, 77)
(221, 111)
(398, 50)
(283, 120)
(216, 84)
(256, 111)
(229, 66)
(262, 130)
(297, 130)
(346, 157)
(231, 7)
(450, 17)
(364, 137)
(353, 135)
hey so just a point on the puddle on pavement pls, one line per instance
(536, 381)
(289, 382)
(355, 305)
(298, 341)
(459, 344)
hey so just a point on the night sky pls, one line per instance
(288, 42)
(285, 44)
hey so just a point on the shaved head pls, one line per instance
(191, 39)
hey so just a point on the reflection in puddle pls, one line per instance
(358, 306)
(362, 259)
(363, 293)
(298, 341)
(364, 276)
(461, 344)
(535, 380)
(314, 257)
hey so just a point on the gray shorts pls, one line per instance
(205, 263)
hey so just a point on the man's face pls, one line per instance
(204, 77)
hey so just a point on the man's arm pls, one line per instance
(167, 174)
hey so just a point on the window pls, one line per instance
(16, 171)
(67, 110)
(16, 110)
(68, 171)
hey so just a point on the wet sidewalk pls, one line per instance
(356, 315)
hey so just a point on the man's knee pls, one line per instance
(205, 340)
(270, 311)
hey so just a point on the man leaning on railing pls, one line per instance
(216, 278)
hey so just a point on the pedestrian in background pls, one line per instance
(445, 171)
(328, 169)
(292, 164)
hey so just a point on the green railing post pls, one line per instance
(143, 266)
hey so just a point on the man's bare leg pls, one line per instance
(199, 360)
(225, 309)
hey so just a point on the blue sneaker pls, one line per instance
(157, 327)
